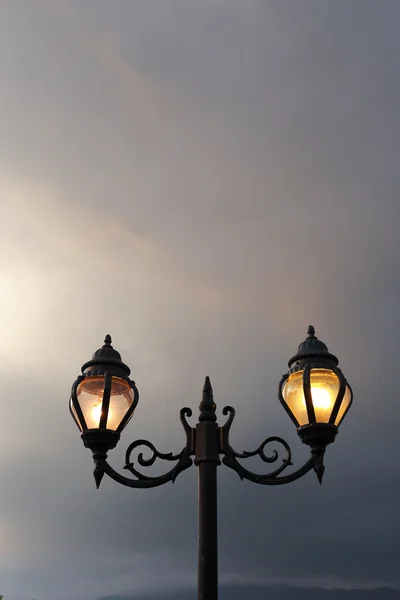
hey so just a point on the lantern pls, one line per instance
(103, 399)
(315, 393)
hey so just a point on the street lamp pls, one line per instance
(314, 393)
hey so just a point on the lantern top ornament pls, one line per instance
(106, 359)
(312, 350)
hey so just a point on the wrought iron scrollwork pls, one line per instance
(230, 458)
(183, 458)
(272, 478)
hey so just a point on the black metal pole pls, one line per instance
(208, 532)
(207, 459)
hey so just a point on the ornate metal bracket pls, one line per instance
(272, 478)
(143, 481)
(220, 439)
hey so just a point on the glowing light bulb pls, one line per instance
(96, 412)
(321, 397)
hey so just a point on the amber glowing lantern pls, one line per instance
(315, 393)
(103, 399)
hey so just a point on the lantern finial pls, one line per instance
(312, 349)
(105, 359)
(311, 332)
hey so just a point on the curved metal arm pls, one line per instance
(231, 456)
(144, 481)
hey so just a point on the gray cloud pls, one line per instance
(203, 181)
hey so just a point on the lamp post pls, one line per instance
(314, 393)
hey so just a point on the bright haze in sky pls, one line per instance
(201, 180)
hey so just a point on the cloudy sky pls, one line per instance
(202, 180)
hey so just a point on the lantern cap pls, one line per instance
(313, 350)
(107, 352)
(106, 359)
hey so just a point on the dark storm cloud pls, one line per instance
(203, 181)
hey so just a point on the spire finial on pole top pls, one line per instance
(207, 404)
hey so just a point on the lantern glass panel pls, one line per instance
(294, 397)
(344, 406)
(75, 414)
(324, 391)
(90, 396)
